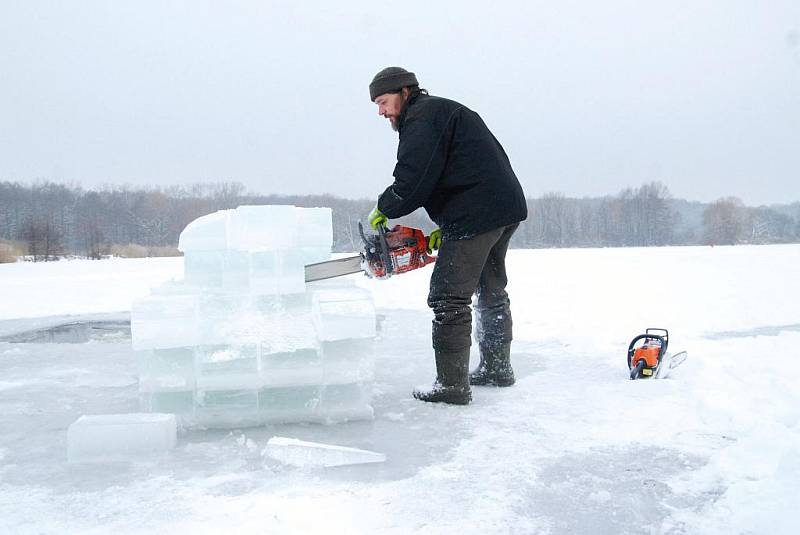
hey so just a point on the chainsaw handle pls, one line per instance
(654, 329)
(664, 337)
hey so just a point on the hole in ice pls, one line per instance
(73, 333)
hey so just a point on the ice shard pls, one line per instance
(300, 453)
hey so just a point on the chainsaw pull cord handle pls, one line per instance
(387, 260)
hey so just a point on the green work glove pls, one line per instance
(435, 240)
(376, 219)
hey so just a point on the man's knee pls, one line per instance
(450, 309)
(452, 322)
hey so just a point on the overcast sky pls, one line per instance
(587, 97)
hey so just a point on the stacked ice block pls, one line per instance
(243, 340)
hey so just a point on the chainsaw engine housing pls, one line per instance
(398, 250)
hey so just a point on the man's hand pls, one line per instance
(435, 240)
(376, 219)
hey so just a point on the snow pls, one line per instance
(73, 287)
(573, 447)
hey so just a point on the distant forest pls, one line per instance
(47, 220)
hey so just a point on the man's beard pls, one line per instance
(393, 124)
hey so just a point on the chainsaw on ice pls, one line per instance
(389, 252)
(648, 356)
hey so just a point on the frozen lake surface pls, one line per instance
(573, 447)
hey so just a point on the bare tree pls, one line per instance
(724, 221)
(555, 219)
(90, 222)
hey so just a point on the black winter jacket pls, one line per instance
(449, 162)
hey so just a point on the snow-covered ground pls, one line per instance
(573, 447)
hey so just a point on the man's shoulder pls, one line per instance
(431, 104)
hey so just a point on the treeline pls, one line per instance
(649, 216)
(48, 220)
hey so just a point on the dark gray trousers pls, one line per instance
(463, 268)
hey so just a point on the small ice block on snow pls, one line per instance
(307, 454)
(120, 437)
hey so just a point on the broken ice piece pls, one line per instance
(120, 437)
(305, 454)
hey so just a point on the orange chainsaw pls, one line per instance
(648, 356)
(389, 252)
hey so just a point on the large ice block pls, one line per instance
(166, 370)
(228, 367)
(344, 402)
(164, 321)
(236, 271)
(348, 361)
(283, 272)
(292, 368)
(120, 437)
(286, 327)
(291, 277)
(288, 403)
(265, 271)
(259, 228)
(204, 268)
(308, 454)
(279, 323)
(314, 227)
(262, 228)
(226, 408)
(175, 402)
(206, 233)
(266, 228)
(343, 313)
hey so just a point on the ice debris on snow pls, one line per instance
(243, 340)
(120, 437)
(305, 454)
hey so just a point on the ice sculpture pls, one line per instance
(243, 340)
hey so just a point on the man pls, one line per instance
(450, 163)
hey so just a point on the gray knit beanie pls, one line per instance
(391, 79)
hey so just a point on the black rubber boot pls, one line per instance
(494, 368)
(451, 385)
